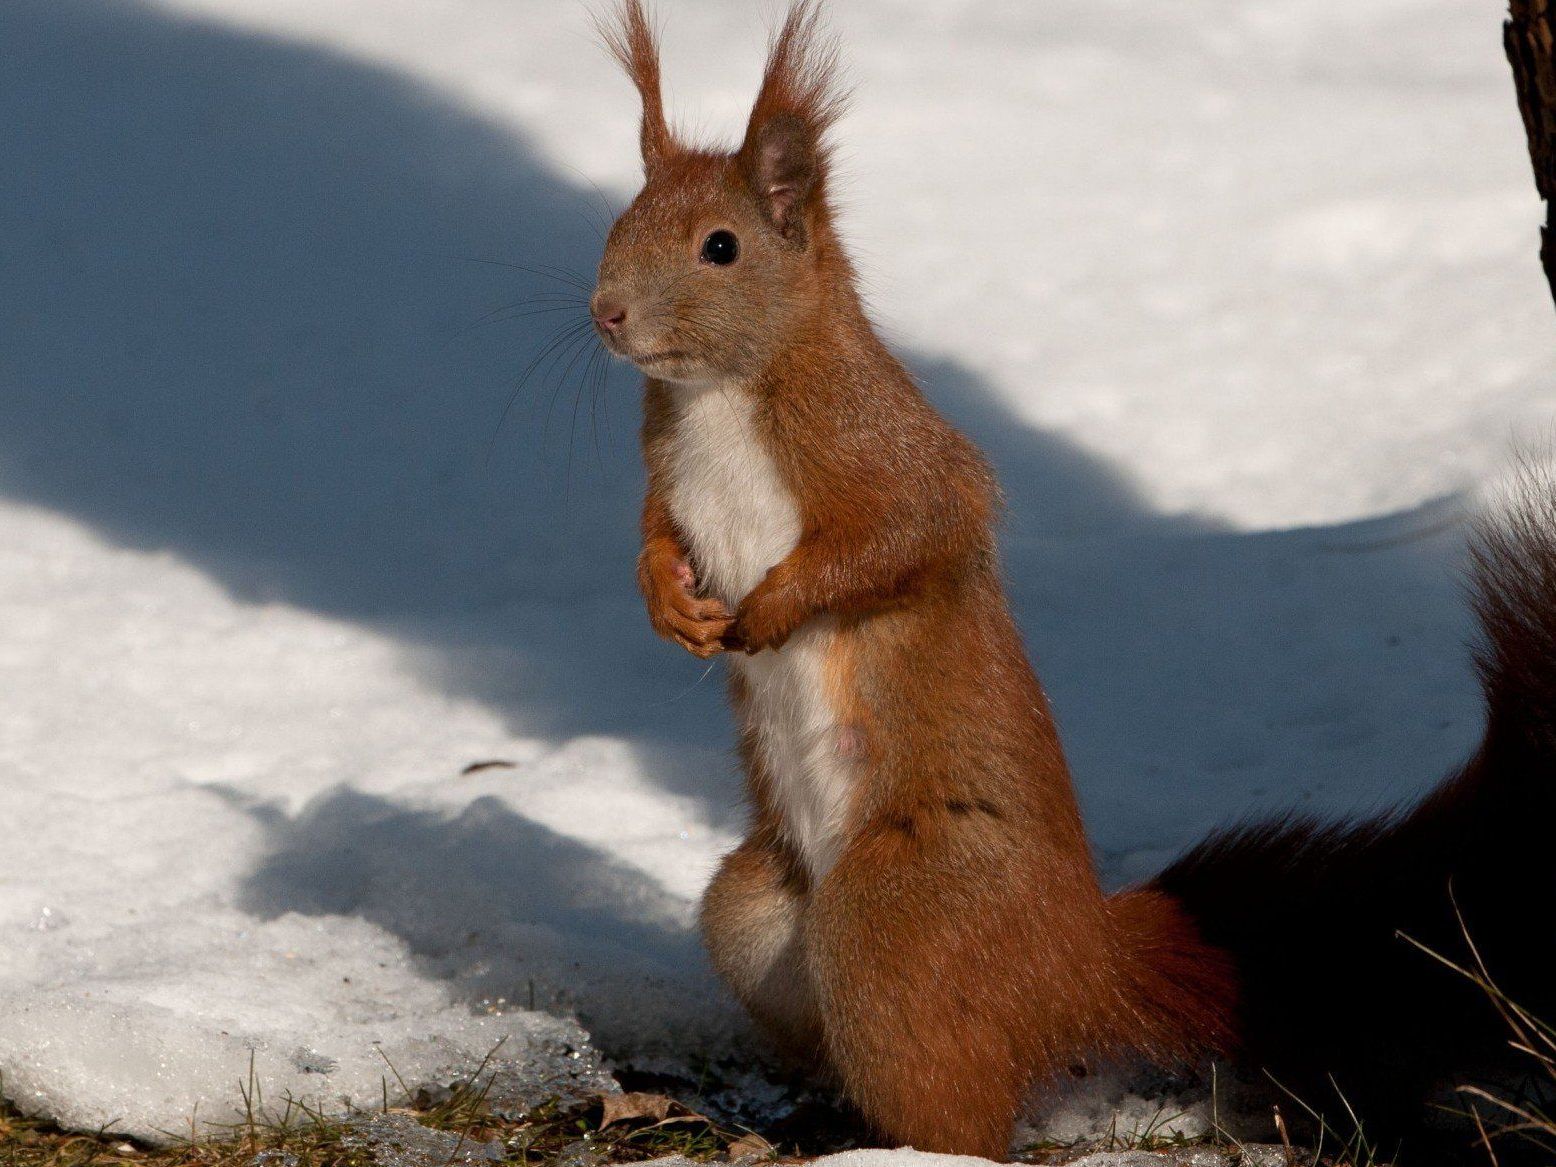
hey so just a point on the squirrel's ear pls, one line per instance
(784, 155)
(781, 162)
(631, 39)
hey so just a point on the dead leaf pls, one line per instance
(635, 1107)
(751, 1146)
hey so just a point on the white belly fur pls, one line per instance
(738, 518)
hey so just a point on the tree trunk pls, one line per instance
(1531, 50)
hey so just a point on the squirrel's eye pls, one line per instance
(721, 248)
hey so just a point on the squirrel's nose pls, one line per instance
(609, 315)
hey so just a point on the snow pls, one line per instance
(107, 1035)
(1242, 297)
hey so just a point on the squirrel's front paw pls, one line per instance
(700, 626)
(763, 620)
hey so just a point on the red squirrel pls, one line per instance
(914, 911)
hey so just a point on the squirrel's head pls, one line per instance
(707, 271)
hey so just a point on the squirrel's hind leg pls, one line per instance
(752, 927)
(922, 1025)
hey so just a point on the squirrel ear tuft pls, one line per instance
(784, 156)
(631, 39)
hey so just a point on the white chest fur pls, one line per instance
(738, 519)
(726, 494)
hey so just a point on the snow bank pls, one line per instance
(1240, 298)
(293, 1013)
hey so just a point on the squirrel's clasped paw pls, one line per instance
(699, 625)
(761, 623)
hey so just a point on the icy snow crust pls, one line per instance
(1241, 297)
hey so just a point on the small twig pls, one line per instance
(1285, 1137)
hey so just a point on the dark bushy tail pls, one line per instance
(1333, 1000)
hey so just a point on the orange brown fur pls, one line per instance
(960, 949)
(954, 949)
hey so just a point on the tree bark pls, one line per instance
(1531, 50)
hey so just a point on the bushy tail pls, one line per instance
(1319, 919)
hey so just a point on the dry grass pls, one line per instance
(298, 1136)
(1523, 1120)
(317, 1141)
